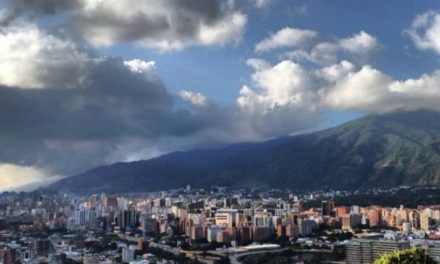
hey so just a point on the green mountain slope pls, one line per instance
(380, 150)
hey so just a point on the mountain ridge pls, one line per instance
(390, 149)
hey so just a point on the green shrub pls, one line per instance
(407, 256)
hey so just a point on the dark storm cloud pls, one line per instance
(42, 7)
(6, 18)
(173, 21)
(72, 129)
(64, 109)
(177, 22)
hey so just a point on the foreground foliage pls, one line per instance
(407, 256)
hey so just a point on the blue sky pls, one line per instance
(104, 81)
(219, 72)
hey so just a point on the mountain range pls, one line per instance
(378, 150)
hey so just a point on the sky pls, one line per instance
(91, 82)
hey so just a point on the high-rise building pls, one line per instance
(86, 218)
(292, 230)
(196, 233)
(149, 225)
(363, 251)
(375, 216)
(127, 254)
(262, 220)
(223, 219)
(406, 228)
(226, 217)
(128, 218)
(41, 247)
(341, 211)
(110, 201)
(244, 235)
(424, 220)
(212, 233)
(6, 256)
(281, 230)
(305, 227)
(327, 207)
(262, 233)
(351, 221)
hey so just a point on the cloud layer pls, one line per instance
(64, 109)
(357, 47)
(31, 59)
(342, 86)
(425, 31)
(160, 25)
(286, 37)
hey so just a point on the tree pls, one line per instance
(407, 256)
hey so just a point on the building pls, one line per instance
(244, 235)
(226, 217)
(281, 230)
(91, 259)
(142, 244)
(406, 228)
(375, 217)
(223, 237)
(305, 227)
(327, 207)
(212, 233)
(128, 218)
(127, 254)
(351, 221)
(292, 230)
(425, 221)
(110, 201)
(149, 225)
(196, 233)
(434, 252)
(341, 211)
(262, 233)
(86, 218)
(364, 251)
(6, 256)
(262, 220)
(41, 247)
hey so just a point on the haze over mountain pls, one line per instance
(379, 150)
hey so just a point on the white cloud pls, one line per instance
(262, 3)
(13, 176)
(140, 66)
(365, 89)
(196, 99)
(323, 53)
(228, 30)
(31, 59)
(158, 25)
(290, 87)
(373, 91)
(285, 84)
(257, 64)
(360, 43)
(286, 37)
(328, 53)
(335, 72)
(425, 31)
